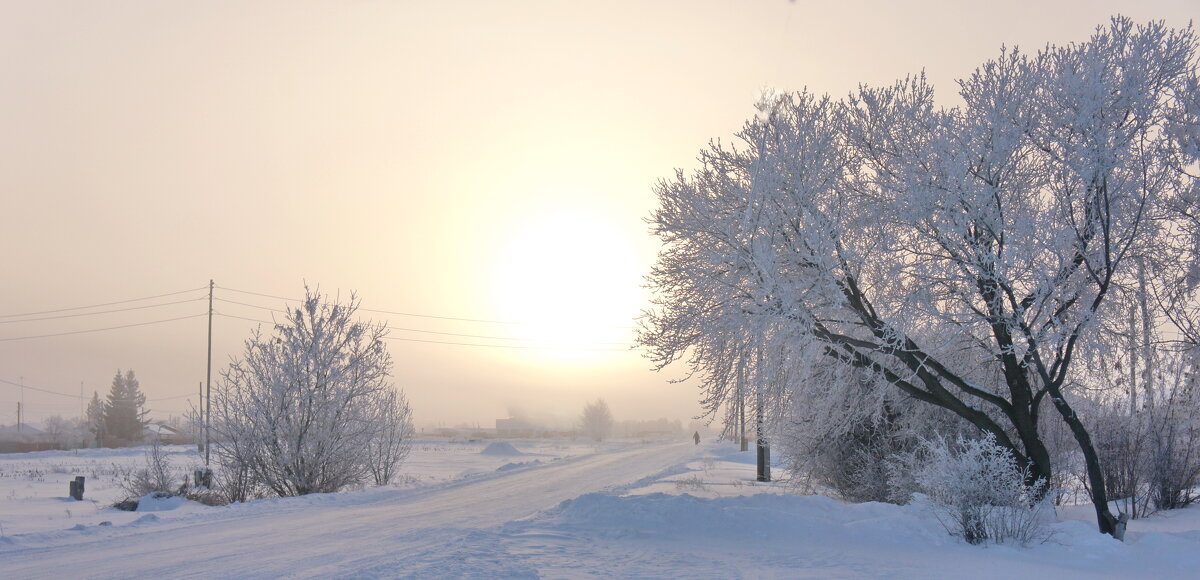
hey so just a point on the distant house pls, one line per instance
(513, 428)
(653, 429)
(166, 434)
(14, 439)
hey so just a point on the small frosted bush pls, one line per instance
(978, 492)
(156, 476)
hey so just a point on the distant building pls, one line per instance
(656, 428)
(24, 439)
(166, 434)
(513, 428)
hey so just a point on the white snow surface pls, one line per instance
(503, 448)
(620, 510)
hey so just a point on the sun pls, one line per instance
(571, 281)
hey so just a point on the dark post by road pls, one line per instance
(764, 461)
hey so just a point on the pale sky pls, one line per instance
(479, 160)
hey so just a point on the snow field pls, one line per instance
(560, 510)
(34, 486)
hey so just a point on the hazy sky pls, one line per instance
(481, 160)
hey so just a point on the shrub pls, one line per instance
(154, 476)
(979, 493)
(310, 409)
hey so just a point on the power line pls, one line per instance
(259, 294)
(49, 392)
(16, 384)
(102, 311)
(104, 304)
(515, 346)
(219, 313)
(378, 311)
(406, 329)
(100, 329)
(397, 313)
(226, 300)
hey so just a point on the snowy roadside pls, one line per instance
(577, 511)
(34, 486)
(714, 521)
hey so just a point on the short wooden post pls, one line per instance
(203, 477)
(77, 488)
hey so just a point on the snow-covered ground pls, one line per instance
(556, 510)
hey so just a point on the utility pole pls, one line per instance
(764, 450)
(207, 403)
(18, 416)
(198, 418)
(21, 405)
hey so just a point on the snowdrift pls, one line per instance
(501, 449)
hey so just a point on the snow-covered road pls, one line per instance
(383, 532)
(552, 510)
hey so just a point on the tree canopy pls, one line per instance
(882, 247)
(124, 411)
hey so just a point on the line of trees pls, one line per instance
(120, 418)
(881, 265)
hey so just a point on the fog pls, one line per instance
(486, 167)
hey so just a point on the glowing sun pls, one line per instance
(570, 280)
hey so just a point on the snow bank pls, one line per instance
(501, 449)
(158, 502)
(818, 537)
(518, 465)
(787, 517)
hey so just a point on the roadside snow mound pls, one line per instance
(814, 519)
(500, 449)
(159, 502)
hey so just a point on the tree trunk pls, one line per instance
(1104, 516)
(741, 390)
(1036, 454)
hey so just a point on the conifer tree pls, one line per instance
(124, 411)
(95, 419)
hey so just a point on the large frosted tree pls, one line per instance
(311, 408)
(883, 248)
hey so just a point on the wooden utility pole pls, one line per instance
(207, 403)
(200, 443)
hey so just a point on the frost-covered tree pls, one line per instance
(125, 410)
(94, 419)
(390, 445)
(64, 432)
(310, 408)
(597, 420)
(883, 248)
